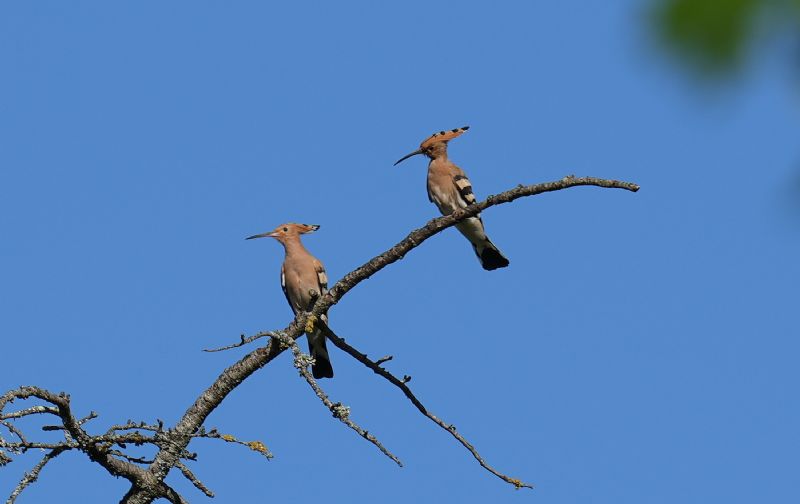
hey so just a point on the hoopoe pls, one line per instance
(450, 189)
(302, 275)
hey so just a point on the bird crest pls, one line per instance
(443, 136)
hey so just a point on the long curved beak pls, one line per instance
(262, 235)
(418, 151)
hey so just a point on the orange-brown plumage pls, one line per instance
(450, 189)
(443, 136)
(303, 280)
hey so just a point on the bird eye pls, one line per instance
(285, 229)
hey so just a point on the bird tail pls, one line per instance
(490, 256)
(319, 352)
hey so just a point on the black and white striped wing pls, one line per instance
(474, 232)
(464, 187)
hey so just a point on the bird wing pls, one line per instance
(285, 290)
(322, 277)
(464, 188)
(448, 187)
(465, 197)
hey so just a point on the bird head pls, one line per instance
(286, 231)
(435, 145)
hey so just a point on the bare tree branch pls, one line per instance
(401, 384)
(13, 430)
(244, 341)
(34, 474)
(339, 411)
(75, 432)
(434, 226)
(256, 446)
(91, 416)
(193, 479)
(99, 448)
(29, 411)
(238, 372)
(148, 484)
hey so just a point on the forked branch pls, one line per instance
(338, 410)
(401, 384)
(147, 484)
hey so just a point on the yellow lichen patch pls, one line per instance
(517, 483)
(310, 321)
(257, 446)
(228, 438)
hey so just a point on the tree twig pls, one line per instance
(401, 384)
(75, 436)
(33, 410)
(193, 479)
(244, 340)
(339, 411)
(32, 476)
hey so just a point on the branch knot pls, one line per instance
(340, 411)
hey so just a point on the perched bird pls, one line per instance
(450, 189)
(303, 276)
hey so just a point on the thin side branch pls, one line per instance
(339, 411)
(401, 384)
(32, 476)
(75, 437)
(91, 416)
(244, 341)
(256, 446)
(193, 479)
(34, 410)
(13, 430)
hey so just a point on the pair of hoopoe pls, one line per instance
(303, 275)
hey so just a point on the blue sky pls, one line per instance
(640, 347)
